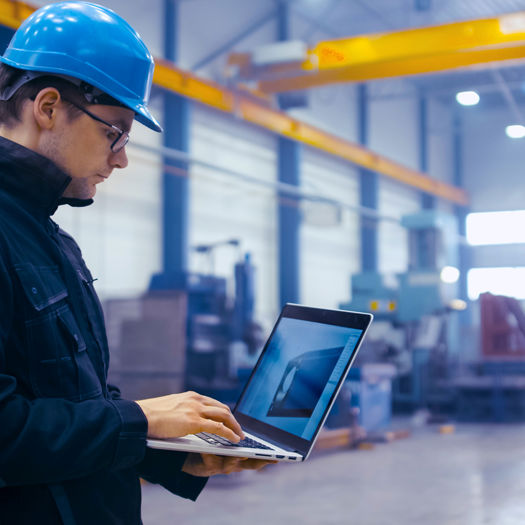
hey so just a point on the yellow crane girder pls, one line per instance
(400, 53)
(14, 12)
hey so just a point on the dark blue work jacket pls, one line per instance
(71, 450)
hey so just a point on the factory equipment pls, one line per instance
(413, 328)
(502, 327)
(222, 336)
(493, 387)
(428, 296)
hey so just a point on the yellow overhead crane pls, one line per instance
(253, 107)
(394, 54)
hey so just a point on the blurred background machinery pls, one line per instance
(414, 330)
(197, 333)
(492, 388)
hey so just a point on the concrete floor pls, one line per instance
(475, 476)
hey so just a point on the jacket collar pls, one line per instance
(34, 179)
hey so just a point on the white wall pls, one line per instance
(332, 109)
(493, 164)
(393, 132)
(440, 142)
(394, 129)
(394, 200)
(329, 253)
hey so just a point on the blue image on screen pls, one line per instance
(298, 374)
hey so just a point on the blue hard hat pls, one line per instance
(91, 43)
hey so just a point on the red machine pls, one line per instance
(502, 327)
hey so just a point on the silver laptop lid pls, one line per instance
(299, 373)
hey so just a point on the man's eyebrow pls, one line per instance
(122, 124)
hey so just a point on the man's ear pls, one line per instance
(45, 107)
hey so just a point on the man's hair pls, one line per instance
(11, 110)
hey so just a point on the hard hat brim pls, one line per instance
(143, 116)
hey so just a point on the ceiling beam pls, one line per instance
(12, 12)
(400, 53)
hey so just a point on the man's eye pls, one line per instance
(112, 135)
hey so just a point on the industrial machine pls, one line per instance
(414, 328)
(222, 337)
(493, 387)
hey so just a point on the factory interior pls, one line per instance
(361, 155)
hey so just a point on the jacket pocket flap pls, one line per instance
(42, 285)
(68, 321)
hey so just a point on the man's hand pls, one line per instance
(208, 464)
(177, 415)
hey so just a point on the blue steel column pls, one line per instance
(428, 201)
(461, 211)
(289, 222)
(175, 183)
(369, 191)
(283, 20)
(289, 215)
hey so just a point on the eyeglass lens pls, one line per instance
(120, 143)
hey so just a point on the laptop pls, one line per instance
(292, 387)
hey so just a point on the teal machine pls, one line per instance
(413, 329)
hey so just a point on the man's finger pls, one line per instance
(216, 427)
(209, 401)
(256, 464)
(224, 417)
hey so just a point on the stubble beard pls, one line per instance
(78, 188)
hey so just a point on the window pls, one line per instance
(499, 281)
(497, 227)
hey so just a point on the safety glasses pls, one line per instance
(122, 136)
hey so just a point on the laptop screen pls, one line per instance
(300, 370)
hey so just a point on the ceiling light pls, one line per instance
(449, 274)
(458, 305)
(467, 98)
(516, 131)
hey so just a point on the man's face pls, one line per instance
(82, 147)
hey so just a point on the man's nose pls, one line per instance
(119, 159)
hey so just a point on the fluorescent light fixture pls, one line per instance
(449, 274)
(516, 131)
(495, 227)
(467, 98)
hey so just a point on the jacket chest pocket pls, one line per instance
(58, 363)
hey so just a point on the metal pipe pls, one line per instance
(509, 97)
(281, 187)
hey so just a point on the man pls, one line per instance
(72, 80)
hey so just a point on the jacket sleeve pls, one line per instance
(49, 440)
(164, 467)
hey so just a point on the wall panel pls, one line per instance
(329, 251)
(395, 200)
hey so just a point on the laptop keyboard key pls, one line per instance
(218, 440)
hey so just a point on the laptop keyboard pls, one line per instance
(218, 440)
